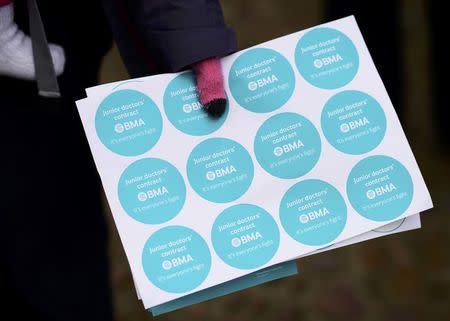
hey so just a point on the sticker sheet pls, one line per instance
(310, 153)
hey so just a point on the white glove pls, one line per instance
(16, 54)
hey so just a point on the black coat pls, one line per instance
(157, 36)
(54, 260)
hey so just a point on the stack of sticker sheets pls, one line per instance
(309, 156)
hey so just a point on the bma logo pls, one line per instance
(177, 261)
(121, 127)
(236, 242)
(354, 124)
(220, 172)
(319, 63)
(278, 151)
(287, 148)
(160, 191)
(381, 190)
(253, 85)
(246, 238)
(315, 214)
(187, 108)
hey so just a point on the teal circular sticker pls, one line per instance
(245, 236)
(353, 122)
(287, 145)
(313, 212)
(128, 122)
(380, 188)
(184, 110)
(220, 170)
(261, 80)
(152, 191)
(326, 58)
(176, 259)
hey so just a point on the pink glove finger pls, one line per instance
(210, 86)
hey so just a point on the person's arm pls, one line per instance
(184, 32)
(175, 35)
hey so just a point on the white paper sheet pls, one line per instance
(294, 90)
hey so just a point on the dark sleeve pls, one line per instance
(177, 33)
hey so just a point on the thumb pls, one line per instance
(210, 88)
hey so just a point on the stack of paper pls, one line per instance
(310, 156)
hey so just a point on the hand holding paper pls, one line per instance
(210, 89)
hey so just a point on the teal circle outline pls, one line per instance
(110, 130)
(241, 88)
(202, 177)
(364, 199)
(154, 267)
(229, 246)
(266, 153)
(307, 65)
(335, 130)
(307, 223)
(138, 203)
(377, 230)
(201, 124)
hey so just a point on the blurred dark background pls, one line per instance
(400, 277)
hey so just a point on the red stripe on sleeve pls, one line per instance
(5, 2)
